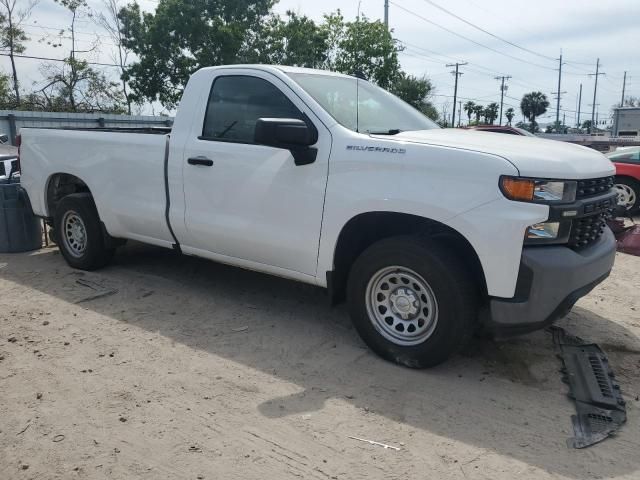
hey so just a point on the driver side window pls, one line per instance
(235, 104)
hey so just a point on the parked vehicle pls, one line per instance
(327, 179)
(8, 159)
(627, 185)
(508, 129)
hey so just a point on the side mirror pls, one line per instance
(284, 132)
(289, 133)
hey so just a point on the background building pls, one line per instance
(626, 122)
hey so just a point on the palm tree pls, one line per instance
(468, 107)
(510, 113)
(478, 110)
(533, 105)
(491, 112)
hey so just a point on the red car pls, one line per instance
(627, 163)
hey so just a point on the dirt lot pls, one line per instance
(196, 370)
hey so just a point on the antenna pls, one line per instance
(358, 74)
(357, 104)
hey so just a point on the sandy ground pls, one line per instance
(200, 371)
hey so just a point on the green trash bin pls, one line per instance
(20, 229)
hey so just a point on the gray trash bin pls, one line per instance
(20, 229)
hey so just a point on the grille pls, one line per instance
(586, 230)
(593, 186)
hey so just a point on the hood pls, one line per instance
(533, 157)
(8, 151)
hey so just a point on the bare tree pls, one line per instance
(12, 36)
(110, 22)
(74, 76)
(73, 85)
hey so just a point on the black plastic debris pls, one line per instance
(599, 404)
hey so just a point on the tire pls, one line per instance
(78, 233)
(628, 193)
(445, 299)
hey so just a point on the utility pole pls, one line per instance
(503, 87)
(579, 105)
(455, 89)
(624, 84)
(459, 111)
(386, 14)
(595, 91)
(558, 94)
(444, 113)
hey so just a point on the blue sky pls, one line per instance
(583, 29)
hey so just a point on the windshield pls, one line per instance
(626, 155)
(377, 110)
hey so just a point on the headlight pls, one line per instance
(538, 190)
(548, 233)
(543, 231)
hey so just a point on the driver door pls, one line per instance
(250, 202)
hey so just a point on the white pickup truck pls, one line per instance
(429, 233)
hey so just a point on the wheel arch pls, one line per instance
(364, 229)
(60, 185)
(628, 176)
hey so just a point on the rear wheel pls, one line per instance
(79, 233)
(412, 301)
(628, 191)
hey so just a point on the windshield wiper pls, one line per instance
(393, 131)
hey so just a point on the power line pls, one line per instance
(430, 54)
(417, 53)
(417, 15)
(429, 59)
(430, 2)
(418, 56)
(58, 60)
(78, 40)
(582, 71)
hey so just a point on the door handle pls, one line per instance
(207, 162)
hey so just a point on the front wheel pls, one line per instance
(412, 301)
(79, 233)
(628, 192)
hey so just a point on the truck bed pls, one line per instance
(124, 172)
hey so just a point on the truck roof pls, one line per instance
(282, 68)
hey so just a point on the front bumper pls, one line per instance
(550, 281)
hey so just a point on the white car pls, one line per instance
(327, 179)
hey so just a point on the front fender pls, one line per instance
(458, 188)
